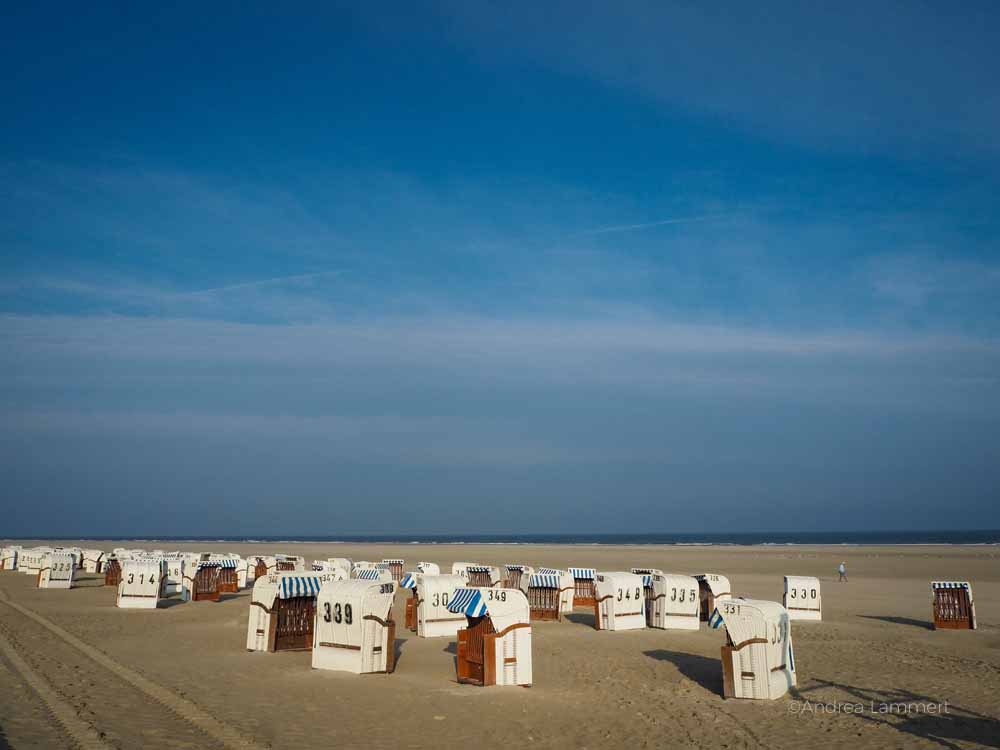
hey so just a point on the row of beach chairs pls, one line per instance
(341, 610)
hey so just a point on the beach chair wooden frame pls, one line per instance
(205, 584)
(477, 653)
(584, 591)
(953, 606)
(228, 581)
(396, 568)
(543, 603)
(112, 573)
(291, 624)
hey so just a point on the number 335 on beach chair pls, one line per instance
(495, 648)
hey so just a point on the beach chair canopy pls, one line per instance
(717, 584)
(408, 581)
(585, 574)
(505, 607)
(544, 580)
(952, 585)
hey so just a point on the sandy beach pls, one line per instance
(76, 670)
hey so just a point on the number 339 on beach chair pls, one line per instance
(354, 630)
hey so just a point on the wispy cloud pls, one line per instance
(275, 281)
(651, 224)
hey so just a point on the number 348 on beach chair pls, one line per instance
(495, 648)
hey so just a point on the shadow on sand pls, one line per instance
(901, 621)
(397, 652)
(581, 618)
(946, 726)
(700, 669)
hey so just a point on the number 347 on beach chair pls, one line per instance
(495, 648)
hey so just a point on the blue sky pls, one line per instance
(612, 269)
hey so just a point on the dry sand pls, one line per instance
(592, 689)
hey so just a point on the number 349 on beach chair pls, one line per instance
(495, 648)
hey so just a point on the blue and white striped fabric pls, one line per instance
(950, 584)
(292, 586)
(408, 582)
(318, 567)
(468, 602)
(582, 573)
(217, 564)
(715, 621)
(369, 574)
(647, 581)
(478, 569)
(387, 561)
(544, 581)
(383, 566)
(548, 571)
(515, 567)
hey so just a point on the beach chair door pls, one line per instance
(951, 608)
(411, 612)
(583, 593)
(206, 584)
(228, 580)
(294, 619)
(708, 601)
(113, 575)
(472, 651)
(543, 603)
(480, 578)
(514, 579)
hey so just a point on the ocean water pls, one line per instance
(990, 536)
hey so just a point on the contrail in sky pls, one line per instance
(262, 282)
(649, 224)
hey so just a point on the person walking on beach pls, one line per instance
(843, 572)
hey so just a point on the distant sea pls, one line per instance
(740, 538)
